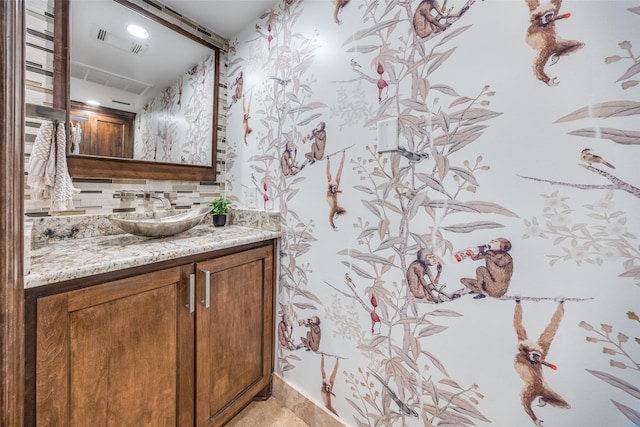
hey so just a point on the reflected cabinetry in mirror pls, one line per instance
(170, 116)
(99, 131)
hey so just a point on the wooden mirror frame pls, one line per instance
(104, 167)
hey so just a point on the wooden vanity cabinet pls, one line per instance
(189, 345)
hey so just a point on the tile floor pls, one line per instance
(269, 413)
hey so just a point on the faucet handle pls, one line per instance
(125, 195)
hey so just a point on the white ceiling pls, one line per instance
(225, 17)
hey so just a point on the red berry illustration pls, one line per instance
(374, 319)
(381, 85)
(374, 316)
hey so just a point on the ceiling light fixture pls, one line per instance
(138, 31)
(92, 102)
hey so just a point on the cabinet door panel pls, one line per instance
(236, 344)
(124, 353)
(111, 137)
(52, 362)
(234, 334)
(105, 132)
(114, 360)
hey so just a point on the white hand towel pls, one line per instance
(48, 176)
(41, 169)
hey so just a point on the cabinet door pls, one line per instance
(234, 330)
(110, 136)
(105, 132)
(108, 355)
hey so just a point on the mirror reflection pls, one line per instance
(148, 98)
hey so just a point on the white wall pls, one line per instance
(574, 240)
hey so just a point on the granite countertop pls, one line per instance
(59, 260)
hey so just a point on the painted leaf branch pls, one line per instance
(605, 239)
(619, 136)
(635, 62)
(630, 413)
(616, 382)
(603, 110)
(618, 184)
(615, 347)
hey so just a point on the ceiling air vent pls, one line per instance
(136, 48)
(102, 34)
(123, 43)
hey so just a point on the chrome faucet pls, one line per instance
(145, 195)
(166, 204)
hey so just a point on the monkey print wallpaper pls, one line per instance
(487, 272)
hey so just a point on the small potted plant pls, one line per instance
(220, 207)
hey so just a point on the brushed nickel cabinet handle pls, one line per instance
(207, 289)
(192, 293)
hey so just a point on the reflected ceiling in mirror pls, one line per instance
(160, 91)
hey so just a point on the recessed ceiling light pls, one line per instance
(137, 31)
(92, 102)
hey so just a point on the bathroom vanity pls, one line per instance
(129, 331)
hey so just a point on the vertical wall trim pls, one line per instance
(61, 57)
(11, 213)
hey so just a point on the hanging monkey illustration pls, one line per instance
(529, 360)
(245, 119)
(418, 286)
(238, 84)
(332, 192)
(312, 341)
(430, 18)
(542, 37)
(339, 5)
(327, 386)
(492, 279)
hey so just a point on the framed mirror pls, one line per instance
(158, 96)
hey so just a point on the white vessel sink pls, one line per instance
(163, 226)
